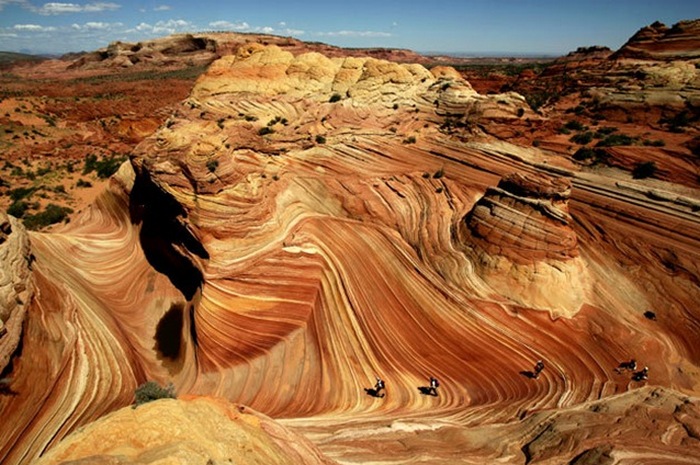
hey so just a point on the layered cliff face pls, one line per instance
(522, 240)
(660, 42)
(297, 227)
(16, 287)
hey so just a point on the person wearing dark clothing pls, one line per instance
(624, 366)
(641, 375)
(434, 384)
(380, 385)
(539, 366)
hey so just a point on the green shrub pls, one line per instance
(20, 193)
(410, 140)
(320, 139)
(644, 170)
(52, 214)
(594, 156)
(18, 208)
(150, 391)
(82, 183)
(335, 98)
(212, 165)
(582, 138)
(439, 173)
(616, 139)
(265, 130)
(654, 143)
(575, 125)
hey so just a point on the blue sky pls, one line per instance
(476, 26)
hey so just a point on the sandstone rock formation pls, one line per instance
(296, 227)
(659, 42)
(191, 430)
(16, 285)
(521, 237)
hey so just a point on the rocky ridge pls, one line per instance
(297, 226)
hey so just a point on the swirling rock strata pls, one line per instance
(16, 285)
(520, 235)
(191, 430)
(660, 42)
(294, 230)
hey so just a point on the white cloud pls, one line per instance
(8, 34)
(354, 34)
(229, 26)
(56, 8)
(94, 26)
(162, 8)
(33, 28)
(267, 30)
(170, 26)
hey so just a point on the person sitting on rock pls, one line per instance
(539, 366)
(624, 366)
(434, 384)
(641, 375)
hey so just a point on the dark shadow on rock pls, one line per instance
(373, 393)
(164, 236)
(426, 391)
(649, 315)
(529, 374)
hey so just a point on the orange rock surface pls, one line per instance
(297, 226)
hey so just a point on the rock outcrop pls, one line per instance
(297, 226)
(520, 235)
(659, 42)
(190, 430)
(16, 286)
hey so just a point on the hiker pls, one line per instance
(539, 366)
(641, 375)
(434, 384)
(624, 366)
(379, 386)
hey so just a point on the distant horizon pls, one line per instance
(478, 28)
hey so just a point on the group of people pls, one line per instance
(379, 387)
(641, 375)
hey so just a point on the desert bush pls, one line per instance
(82, 183)
(265, 130)
(616, 139)
(644, 170)
(18, 208)
(212, 165)
(582, 138)
(575, 125)
(594, 156)
(654, 143)
(20, 193)
(335, 98)
(52, 214)
(410, 140)
(150, 391)
(320, 139)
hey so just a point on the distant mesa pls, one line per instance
(659, 42)
(520, 237)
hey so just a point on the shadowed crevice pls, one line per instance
(165, 239)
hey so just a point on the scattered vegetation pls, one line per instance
(439, 173)
(582, 138)
(410, 140)
(18, 209)
(616, 139)
(575, 125)
(150, 391)
(320, 139)
(335, 98)
(643, 170)
(212, 165)
(591, 156)
(265, 130)
(52, 214)
(104, 167)
(83, 183)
